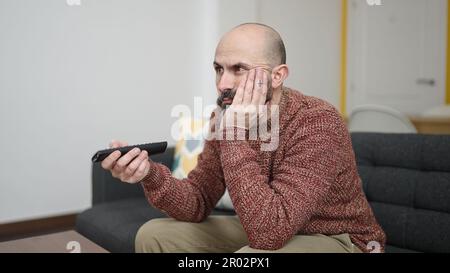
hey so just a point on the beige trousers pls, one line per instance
(224, 234)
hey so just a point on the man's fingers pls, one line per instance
(123, 143)
(126, 159)
(141, 171)
(264, 88)
(248, 90)
(108, 162)
(258, 87)
(117, 144)
(237, 100)
(114, 144)
(133, 166)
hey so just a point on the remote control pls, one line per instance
(151, 148)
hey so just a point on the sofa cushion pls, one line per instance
(189, 146)
(406, 178)
(187, 150)
(393, 249)
(114, 225)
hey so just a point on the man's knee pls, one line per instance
(149, 235)
(315, 243)
(215, 234)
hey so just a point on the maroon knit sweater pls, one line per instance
(308, 185)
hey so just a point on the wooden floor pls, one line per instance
(36, 227)
(61, 242)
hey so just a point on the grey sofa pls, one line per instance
(406, 178)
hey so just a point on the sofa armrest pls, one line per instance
(106, 188)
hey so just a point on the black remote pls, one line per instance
(151, 148)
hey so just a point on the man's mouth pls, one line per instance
(225, 98)
(227, 101)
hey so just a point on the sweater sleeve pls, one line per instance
(272, 212)
(193, 198)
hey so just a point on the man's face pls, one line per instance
(236, 55)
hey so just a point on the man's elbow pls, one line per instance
(197, 217)
(271, 236)
(269, 242)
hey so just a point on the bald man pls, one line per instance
(305, 195)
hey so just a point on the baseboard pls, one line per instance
(36, 227)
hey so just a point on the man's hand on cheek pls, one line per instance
(250, 98)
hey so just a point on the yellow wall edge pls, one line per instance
(447, 93)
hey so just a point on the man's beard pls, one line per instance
(228, 94)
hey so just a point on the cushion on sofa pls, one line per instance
(406, 178)
(114, 225)
(190, 142)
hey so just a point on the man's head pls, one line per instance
(247, 47)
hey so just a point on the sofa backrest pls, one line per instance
(406, 178)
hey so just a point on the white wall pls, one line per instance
(311, 31)
(73, 77)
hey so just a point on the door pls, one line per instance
(397, 53)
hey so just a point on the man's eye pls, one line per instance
(241, 70)
(219, 70)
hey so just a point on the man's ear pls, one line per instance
(279, 75)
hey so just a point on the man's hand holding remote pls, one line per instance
(130, 168)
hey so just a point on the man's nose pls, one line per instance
(226, 81)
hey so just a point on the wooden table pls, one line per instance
(428, 125)
(435, 126)
(61, 242)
